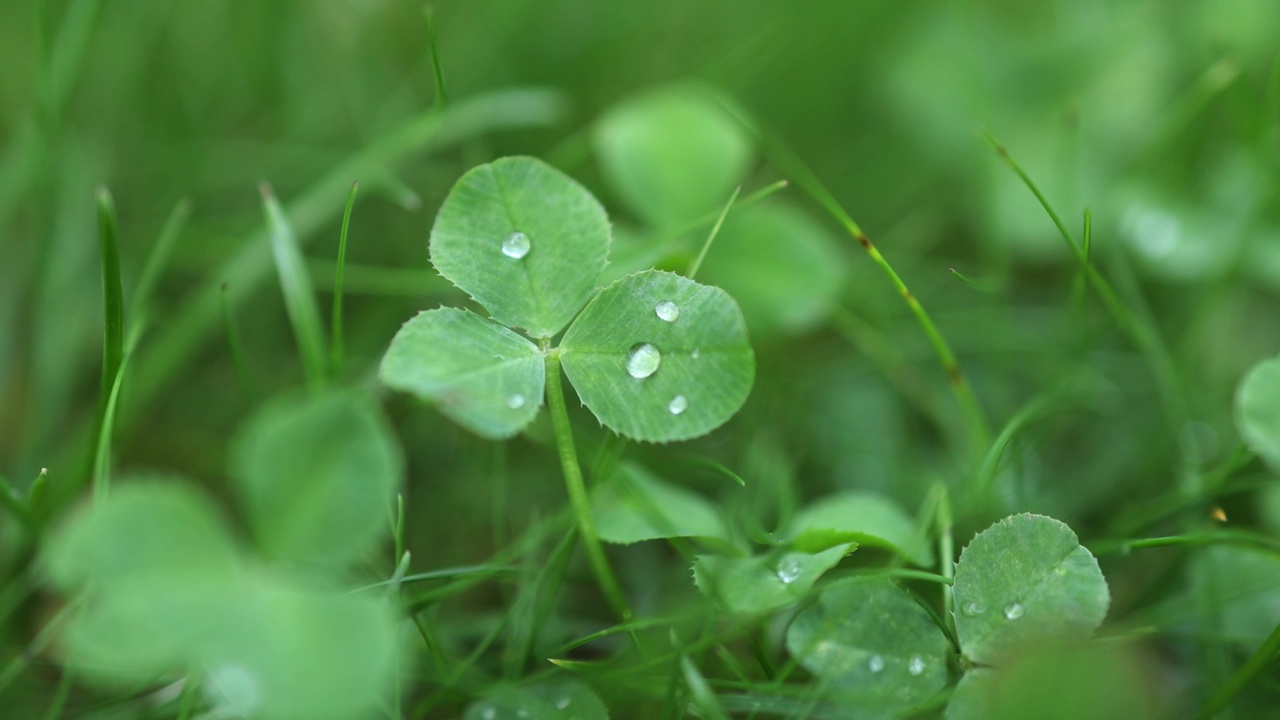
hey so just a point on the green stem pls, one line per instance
(946, 558)
(1261, 660)
(578, 490)
(715, 230)
(335, 348)
(975, 418)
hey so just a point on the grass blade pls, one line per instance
(1143, 334)
(157, 261)
(112, 341)
(715, 230)
(335, 349)
(703, 696)
(106, 431)
(788, 162)
(1259, 661)
(433, 47)
(295, 283)
(112, 295)
(237, 350)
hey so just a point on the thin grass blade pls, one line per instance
(299, 297)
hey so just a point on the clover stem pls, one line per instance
(947, 557)
(577, 489)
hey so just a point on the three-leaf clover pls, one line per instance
(167, 589)
(655, 356)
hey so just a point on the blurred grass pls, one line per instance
(1163, 118)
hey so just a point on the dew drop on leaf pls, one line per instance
(915, 666)
(516, 245)
(678, 404)
(515, 402)
(697, 353)
(563, 702)
(643, 360)
(667, 311)
(1013, 611)
(875, 664)
(488, 713)
(788, 570)
(972, 609)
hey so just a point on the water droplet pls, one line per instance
(1013, 611)
(788, 571)
(678, 404)
(697, 353)
(522, 713)
(488, 713)
(515, 402)
(972, 609)
(875, 664)
(667, 311)
(915, 666)
(643, 360)
(563, 702)
(516, 246)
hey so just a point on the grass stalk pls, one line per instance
(433, 47)
(711, 237)
(335, 338)
(975, 419)
(1261, 659)
(295, 283)
(578, 491)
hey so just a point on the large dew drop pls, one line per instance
(515, 402)
(643, 360)
(516, 246)
(788, 571)
(667, 311)
(678, 404)
(875, 664)
(1013, 611)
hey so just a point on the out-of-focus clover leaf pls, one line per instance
(672, 154)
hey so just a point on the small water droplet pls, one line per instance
(488, 713)
(972, 609)
(522, 713)
(516, 245)
(563, 702)
(697, 353)
(678, 404)
(915, 666)
(667, 311)
(499, 357)
(875, 664)
(788, 571)
(643, 360)
(515, 402)
(1013, 611)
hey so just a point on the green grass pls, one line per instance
(1005, 445)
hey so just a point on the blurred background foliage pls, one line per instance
(1163, 118)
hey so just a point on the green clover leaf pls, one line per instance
(655, 356)
(1024, 579)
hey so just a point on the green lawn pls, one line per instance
(570, 359)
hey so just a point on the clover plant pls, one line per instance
(166, 590)
(655, 356)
